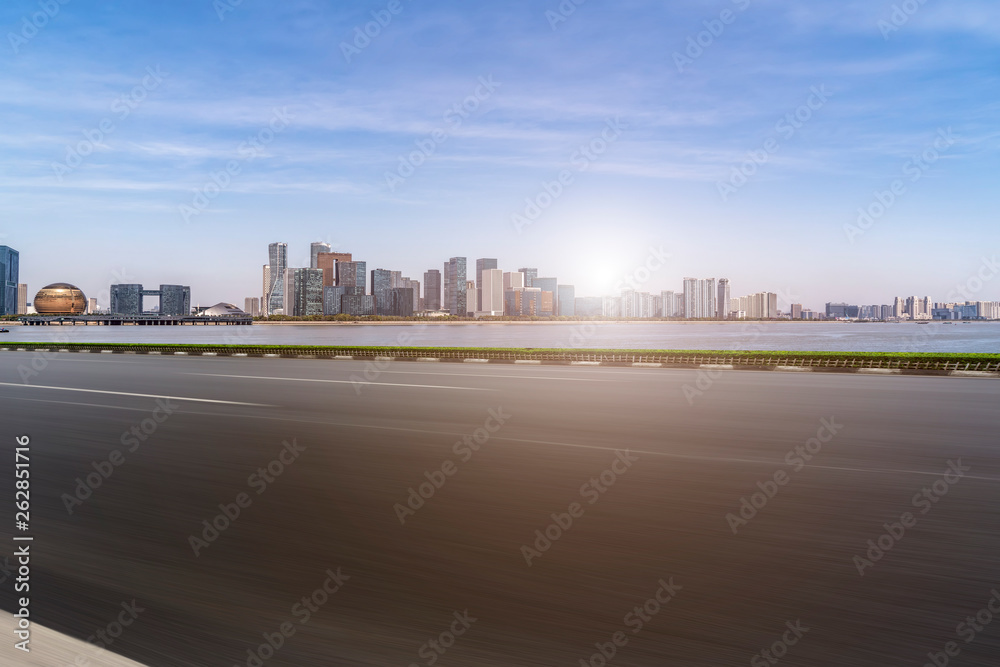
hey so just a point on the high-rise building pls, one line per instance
(484, 264)
(432, 290)
(759, 306)
(382, 281)
(470, 295)
(352, 274)
(455, 292)
(9, 274)
(398, 302)
(842, 311)
(529, 276)
(669, 307)
(722, 300)
(611, 306)
(126, 299)
(92, 305)
(327, 261)
(358, 305)
(415, 286)
(175, 300)
(550, 285)
(699, 298)
(796, 311)
(22, 299)
(303, 292)
(274, 297)
(251, 306)
(490, 292)
(314, 250)
(566, 298)
(522, 301)
(512, 279)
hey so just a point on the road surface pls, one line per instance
(558, 516)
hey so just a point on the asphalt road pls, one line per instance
(640, 474)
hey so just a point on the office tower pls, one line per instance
(327, 261)
(398, 302)
(699, 298)
(512, 279)
(485, 264)
(251, 306)
(842, 311)
(566, 300)
(522, 301)
(332, 295)
(529, 276)
(9, 273)
(470, 295)
(22, 299)
(588, 306)
(415, 286)
(490, 292)
(382, 281)
(359, 305)
(455, 292)
(266, 274)
(314, 250)
(886, 312)
(722, 300)
(126, 299)
(351, 274)
(303, 292)
(175, 300)
(796, 311)
(549, 285)
(91, 305)
(277, 256)
(432, 290)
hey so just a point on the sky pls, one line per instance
(824, 150)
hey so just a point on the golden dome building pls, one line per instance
(60, 299)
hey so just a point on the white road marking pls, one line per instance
(126, 393)
(376, 384)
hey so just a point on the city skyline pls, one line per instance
(680, 126)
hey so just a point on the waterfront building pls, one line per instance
(490, 292)
(126, 299)
(529, 276)
(512, 279)
(22, 299)
(303, 292)
(251, 305)
(455, 290)
(175, 300)
(722, 299)
(550, 285)
(566, 300)
(314, 251)
(9, 275)
(485, 264)
(327, 262)
(432, 290)
(700, 298)
(274, 296)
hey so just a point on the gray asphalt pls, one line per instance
(658, 525)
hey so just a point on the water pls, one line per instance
(800, 336)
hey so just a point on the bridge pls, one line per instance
(133, 320)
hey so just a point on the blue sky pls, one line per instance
(187, 87)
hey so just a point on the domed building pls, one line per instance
(223, 310)
(60, 299)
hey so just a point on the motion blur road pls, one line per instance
(640, 473)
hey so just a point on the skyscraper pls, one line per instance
(352, 274)
(327, 261)
(722, 300)
(455, 293)
(9, 273)
(277, 255)
(251, 306)
(432, 290)
(382, 281)
(314, 250)
(529, 276)
(303, 292)
(490, 292)
(92, 305)
(482, 265)
(22, 299)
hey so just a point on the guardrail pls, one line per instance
(924, 362)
